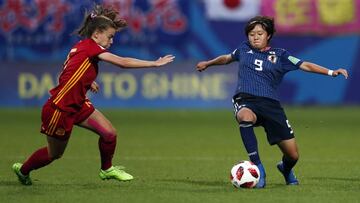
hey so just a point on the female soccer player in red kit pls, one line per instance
(68, 104)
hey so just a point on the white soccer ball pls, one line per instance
(244, 174)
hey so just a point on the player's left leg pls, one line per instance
(99, 124)
(279, 131)
(289, 159)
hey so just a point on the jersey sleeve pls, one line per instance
(95, 49)
(289, 62)
(235, 55)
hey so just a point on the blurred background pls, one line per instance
(35, 37)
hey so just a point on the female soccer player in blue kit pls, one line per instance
(256, 103)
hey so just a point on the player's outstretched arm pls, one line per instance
(127, 62)
(220, 60)
(314, 68)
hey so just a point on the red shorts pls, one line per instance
(57, 123)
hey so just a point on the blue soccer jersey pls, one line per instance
(260, 73)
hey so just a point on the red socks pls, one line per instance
(38, 159)
(107, 150)
(107, 143)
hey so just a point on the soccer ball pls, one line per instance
(244, 174)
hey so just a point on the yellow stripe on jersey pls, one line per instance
(53, 118)
(51, 121)
(71, 80)
(77, 75)
(56, 120)
(73, 83)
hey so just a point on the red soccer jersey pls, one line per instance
(79, 71)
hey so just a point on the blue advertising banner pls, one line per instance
(177, 85)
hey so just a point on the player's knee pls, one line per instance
(245, 120)
(246, 117)
(55, 156)
(109, 136)
(294, 156)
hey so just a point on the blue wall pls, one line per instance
(34, 45)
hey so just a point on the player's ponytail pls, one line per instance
(100, 19)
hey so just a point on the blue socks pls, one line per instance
(250, 142)
(288, 164)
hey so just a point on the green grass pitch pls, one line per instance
(185, 156)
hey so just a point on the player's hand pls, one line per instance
(340, 71)
(164, 60)
(201, 66)
(94, 87)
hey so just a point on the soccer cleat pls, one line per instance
(25, 180)
(115, 172)
(262, 180)
(290, 177)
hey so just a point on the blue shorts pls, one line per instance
(270, 115)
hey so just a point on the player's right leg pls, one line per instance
(290, 157)
(24, 179)
(246, 118)
(54, 125)
(40, 158)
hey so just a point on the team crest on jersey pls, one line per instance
(272, 58)
(60, 132)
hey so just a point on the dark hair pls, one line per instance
(100, 18)
(266, 22)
